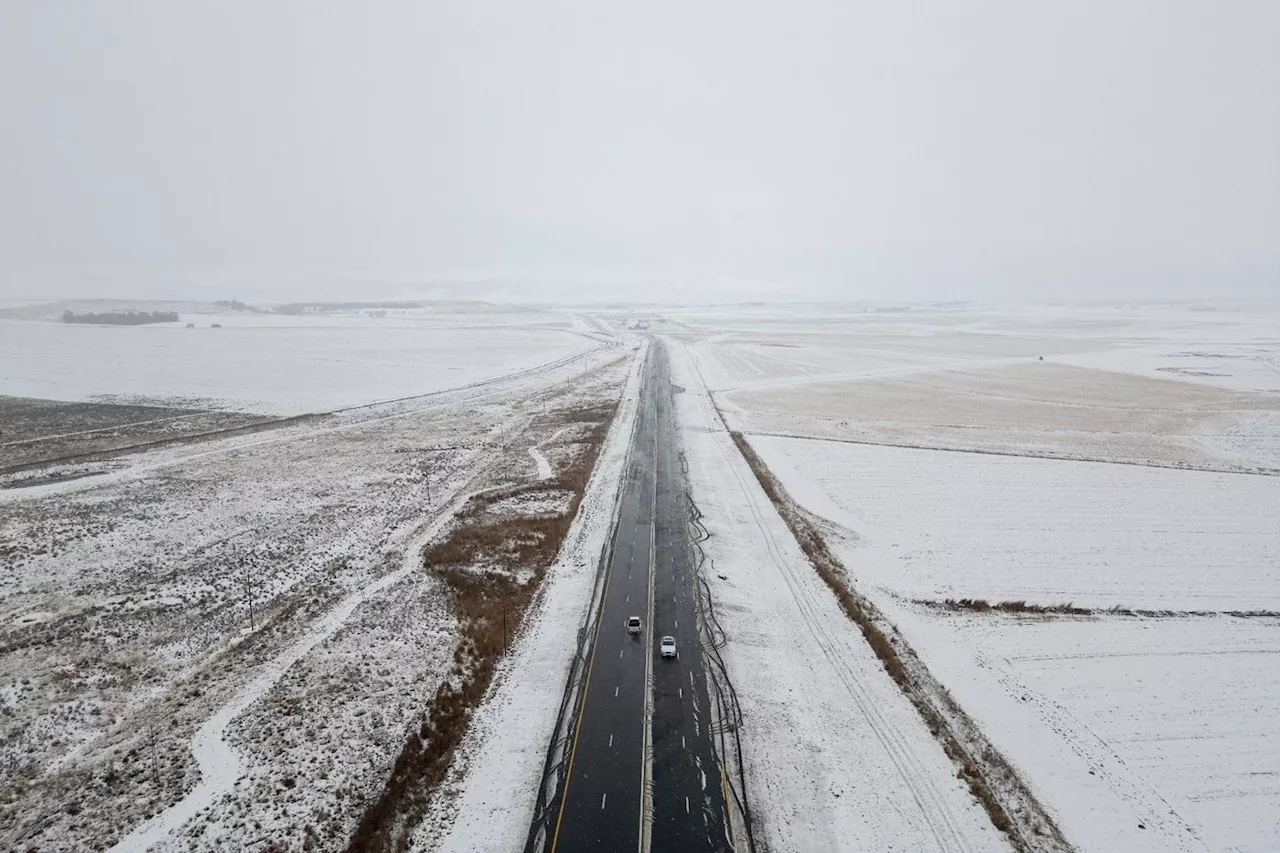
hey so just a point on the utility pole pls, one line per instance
(246, 579)
(155, 767)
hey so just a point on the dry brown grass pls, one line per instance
(978, 605)
(491, 602)
(978, 763)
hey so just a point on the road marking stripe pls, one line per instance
(603, 797)
(728, 803)
(586, 687)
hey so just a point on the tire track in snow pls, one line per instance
(934, 807)
(112, 428)
(219, 761)
(1149, 806)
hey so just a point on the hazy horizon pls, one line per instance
(697, 153)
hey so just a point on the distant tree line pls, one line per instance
(237, 305)
(121, 318)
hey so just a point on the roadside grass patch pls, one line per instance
(513, 554)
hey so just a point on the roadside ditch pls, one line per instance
(1010, 804)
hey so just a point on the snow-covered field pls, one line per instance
(836, 757)
(220, 645)
(1035, 408)
(1167, 385)
(1140, 733)
(276, 364)
(1157, 732)
(248, 613)
(938, 524)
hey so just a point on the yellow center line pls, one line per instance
(586, 686)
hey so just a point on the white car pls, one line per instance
(668, 647)
(634, 625)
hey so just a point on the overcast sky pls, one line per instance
(897, 149)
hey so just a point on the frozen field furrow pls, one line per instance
(934, 524)
(1140, 734)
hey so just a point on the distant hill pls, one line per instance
(52, 311)
(453, 306)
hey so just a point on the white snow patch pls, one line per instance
(1141, 735)
(938, 524)
(544, 467)
(1138, 734)
(546, 502)
(269, 364)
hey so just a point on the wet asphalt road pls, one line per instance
(600, 808)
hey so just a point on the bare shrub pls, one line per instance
(978, 605)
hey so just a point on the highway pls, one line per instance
(601, 806)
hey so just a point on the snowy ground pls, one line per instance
(1139, 733)
(933, 525)
(275, 364)
(1168, 385)
(125, 594)
(836, 757)
(34, 432)
(1033, 408)
(127, 602)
